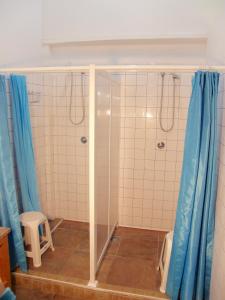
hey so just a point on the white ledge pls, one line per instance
(182, 38)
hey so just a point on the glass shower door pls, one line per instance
(102, 160)
(104, 127)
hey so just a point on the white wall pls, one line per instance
(21, 32)
(86, 20)
(216, 44)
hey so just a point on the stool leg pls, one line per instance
(168, 250)
(161, 255)
(49, 235)
(27, 238)
(35, 246)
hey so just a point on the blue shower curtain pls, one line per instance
(191, 258)
(23, 144)
(9, 214)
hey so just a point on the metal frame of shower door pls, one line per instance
(116, 68)
(92, 209)
(94, 260)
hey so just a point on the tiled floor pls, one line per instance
(27, 294)
(70, 260)
(130, 261)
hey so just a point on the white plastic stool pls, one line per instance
(164, 261)
(31, 222)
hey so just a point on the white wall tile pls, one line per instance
(158, 171)
(61, 160)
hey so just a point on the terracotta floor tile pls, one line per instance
(77, 266)
(68, 238)
(27, 294)
(130, 260)
(84, 246)
(113, 246)
(134, 232)
(60, 253)
(132, 272)
(46, 268)
(52, 261)
(74, 225)
(105, 268)
(64, 298)
(138, 247)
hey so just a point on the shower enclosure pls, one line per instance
(76, 132)
(108, 146)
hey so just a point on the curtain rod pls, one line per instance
(153, 68)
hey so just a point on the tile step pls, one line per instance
(73, 290)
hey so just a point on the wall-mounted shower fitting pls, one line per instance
(161, 145)
(83, 140)
(82, 99)
(175, 77)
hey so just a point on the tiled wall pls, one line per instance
(61, 159)
(149, 176)
(218, 269)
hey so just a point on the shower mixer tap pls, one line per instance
(83, 140)
(161, 145)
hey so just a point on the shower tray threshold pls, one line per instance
(80, 289)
